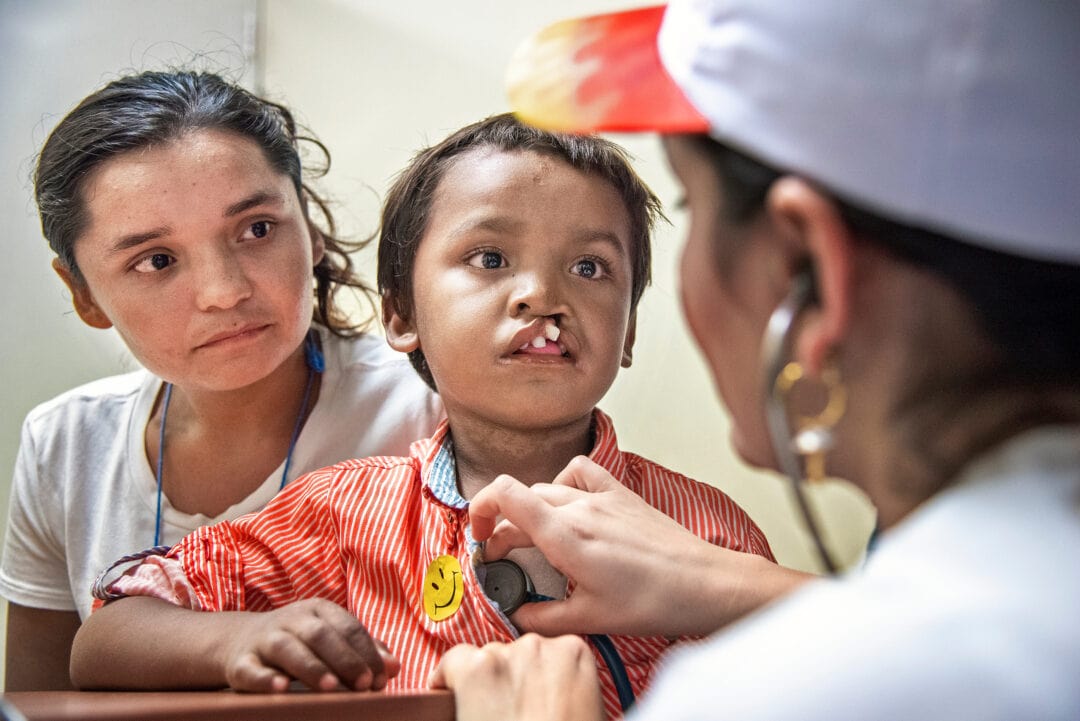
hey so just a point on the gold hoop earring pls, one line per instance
(814, 434)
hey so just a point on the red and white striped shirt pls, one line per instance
(363, 533)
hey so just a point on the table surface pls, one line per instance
(416, 705)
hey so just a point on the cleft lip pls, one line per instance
(537, 329)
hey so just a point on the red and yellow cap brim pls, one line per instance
(599, 73)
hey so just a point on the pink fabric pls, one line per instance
(160, 577)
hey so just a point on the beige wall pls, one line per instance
(375, 80)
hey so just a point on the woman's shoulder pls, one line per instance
(366, 350)
(93, 401)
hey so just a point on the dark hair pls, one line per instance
(140, 110)
(408, 203)
(1027, 308)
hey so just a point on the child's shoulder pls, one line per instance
(646, 476)
(371, 467)
(702, 508)
(353, 481)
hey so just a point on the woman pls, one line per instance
(177, 207)
(882, 270)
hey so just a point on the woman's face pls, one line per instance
(199, 254)
(726, 310)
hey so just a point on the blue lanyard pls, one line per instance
(315, 363)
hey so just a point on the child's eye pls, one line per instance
(258, 229)
(154, 263)
(488, 259)
(589, 268)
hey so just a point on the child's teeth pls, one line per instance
(524, 346)
(539, 342)
(551, 332)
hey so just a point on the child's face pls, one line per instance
(515, 242)
(199, 254)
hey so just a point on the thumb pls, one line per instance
(586, 474)
(391, 663)
(551, 618)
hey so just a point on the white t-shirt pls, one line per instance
(969, 609)
(84, 494)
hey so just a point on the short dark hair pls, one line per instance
(141, 110)
(408, 203)
(1025, 307)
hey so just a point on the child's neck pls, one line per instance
(482, 452)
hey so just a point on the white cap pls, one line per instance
(959, 116)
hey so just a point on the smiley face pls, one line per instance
(444, 588)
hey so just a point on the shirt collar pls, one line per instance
(439, 474)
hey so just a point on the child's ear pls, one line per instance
(628, 342)
(400, 333)
(82, 298)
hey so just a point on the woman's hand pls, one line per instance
(531, 678)
(315, 642)
(636, 571)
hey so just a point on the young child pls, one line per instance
(511, 261)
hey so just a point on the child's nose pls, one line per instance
(221, 282)
(535, 293)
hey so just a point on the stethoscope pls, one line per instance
(506, 583)
(774, 346)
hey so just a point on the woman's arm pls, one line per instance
(621, 554)
(144, 643)
(38, 648)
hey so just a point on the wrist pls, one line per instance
(740, 583)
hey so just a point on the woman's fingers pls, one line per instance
(532, 677)
(529, 512)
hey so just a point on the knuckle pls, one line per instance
(277, 643)
(579, 463)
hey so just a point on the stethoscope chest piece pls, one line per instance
(506, 584)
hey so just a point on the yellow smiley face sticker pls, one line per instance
(444, 587)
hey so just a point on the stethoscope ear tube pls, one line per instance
(775, 345)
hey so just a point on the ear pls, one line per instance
(814, 221)
(628, 343)
(400, 333)
(318, 243)
(82, 298)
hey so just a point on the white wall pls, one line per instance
(51, 55)
(375, 81)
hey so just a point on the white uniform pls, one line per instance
(84, 493)
(969, 609)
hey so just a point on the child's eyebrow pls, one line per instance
(494, 224)
(606, 237)
(509, 226)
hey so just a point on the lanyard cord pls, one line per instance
(315, 363)
(160, 460)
